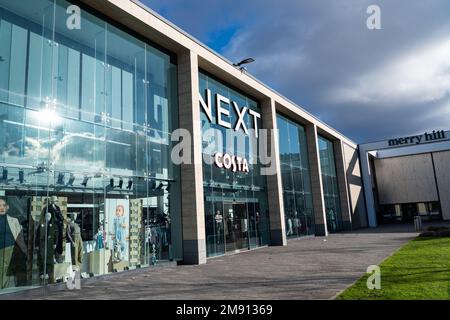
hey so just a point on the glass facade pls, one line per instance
(85, 119)
(405, 212)
(295, 175)
(330, 185)
(236, 211)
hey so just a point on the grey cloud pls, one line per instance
(308, 50)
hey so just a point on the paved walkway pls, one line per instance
(313, 268)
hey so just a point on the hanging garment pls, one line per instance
(12, 251)
(7, 243)
(154, 239)
(49, 239)
(76, 243)
(57, 221)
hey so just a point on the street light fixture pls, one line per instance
(241, 63)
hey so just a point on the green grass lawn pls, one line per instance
(418, 270)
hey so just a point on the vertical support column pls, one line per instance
(368, 187)
(274, 185)
(192, 206)
(316, 180)
(344, 198)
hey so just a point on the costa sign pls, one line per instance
(223, 112)
(229, 162)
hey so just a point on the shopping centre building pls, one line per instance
(90, 104)
(408, 176)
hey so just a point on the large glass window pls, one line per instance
(295, 176)
(330, 185)
(85, 120)
(405, 212)
(236, 212)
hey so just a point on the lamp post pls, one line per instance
(241, 66)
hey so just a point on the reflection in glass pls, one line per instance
(295, 176)
(86, 184)
(236, 214)
(330, 187)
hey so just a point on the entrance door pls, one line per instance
(409, 211)
(236, 226)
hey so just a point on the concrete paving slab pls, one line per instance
(312, 268)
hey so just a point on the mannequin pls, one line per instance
(297, 223)
(332, 220)
(12, 247)
(100, 237)
(289, 231)
(230, 225)
(257, 224)
(219, 225)
(73, 236)
(165, 229)
(50, 249)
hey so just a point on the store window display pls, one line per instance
(158, 235)
(49, 238)
(12, 247)
(85, 148)
(232, 199)
(330, 185)
(73, 235)
(296, 182)
(118, 226)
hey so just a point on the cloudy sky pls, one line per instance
(368, 84)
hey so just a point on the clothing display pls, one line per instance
(230, 228)
(76, 243)
(164, 222)
(61, 238)
(57, 220)
(218, 217)
(154, 235)
(244, 225)
(219, 226)
(100, 239)
(49, 238)
(290, 231)
(6, 236)
(12, 250)
(297, 224)
(332, 220)
(158, 234)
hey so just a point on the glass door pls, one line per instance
(409, 211)
(236, 226)
(229, 232)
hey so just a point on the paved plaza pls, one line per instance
(312, 268)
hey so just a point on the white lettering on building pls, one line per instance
(223, 112)
(233, 163)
